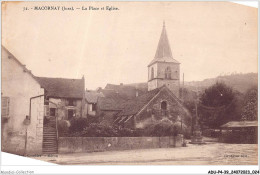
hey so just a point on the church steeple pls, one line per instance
(164, 70)
(163, 48)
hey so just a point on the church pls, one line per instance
(137, 106)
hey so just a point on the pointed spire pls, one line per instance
(163, 48)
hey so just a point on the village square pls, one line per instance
(165, 120)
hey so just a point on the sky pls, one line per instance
(208, 39)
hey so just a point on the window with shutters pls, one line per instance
(5, 106)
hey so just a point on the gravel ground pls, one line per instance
(208, 154)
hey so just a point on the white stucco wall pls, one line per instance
(20, 86)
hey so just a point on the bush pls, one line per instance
(164, 127)
(99, 130)
(77, 124)
(125, 132)
(161, 128)
(183, 129)
(167, 128)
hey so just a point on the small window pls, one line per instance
(92, 107)
(164, 105)
(5, 106)
(52, 111)
(71, 102)
(168, 73)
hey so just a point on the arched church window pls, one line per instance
(152, 73)
(164, 105)
(168, 73)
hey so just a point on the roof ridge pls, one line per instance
(60, 78)
(20, 63)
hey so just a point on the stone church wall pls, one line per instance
(153, 111)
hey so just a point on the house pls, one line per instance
(91, 98)
(64, 98)
(136, 106)
(22, 108)
(31, 107)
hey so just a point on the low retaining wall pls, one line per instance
(93, 144)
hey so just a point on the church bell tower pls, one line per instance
(164, 69)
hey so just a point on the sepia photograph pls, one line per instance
(130, 83)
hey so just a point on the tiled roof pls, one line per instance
(120, 97)
(134, 105)
(92, 96)
(240, 124)
(123, 91)
(110, 103)
(163, 48)
(62, 88)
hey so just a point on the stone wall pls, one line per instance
(93, 144)
(173, 85)
(153, 111)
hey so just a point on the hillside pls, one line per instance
(240, 82)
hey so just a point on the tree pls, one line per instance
(217, 95)
(250, 105)
(166, 127)
(217, 105)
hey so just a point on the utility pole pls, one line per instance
(182, 97)
(194, 122)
